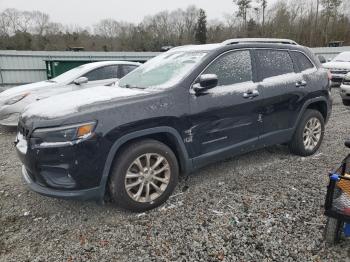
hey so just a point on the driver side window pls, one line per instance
(232, 68)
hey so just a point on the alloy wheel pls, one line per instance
(312, 133)
(147, 177)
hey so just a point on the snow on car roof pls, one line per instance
(103, 63)
(192, 48)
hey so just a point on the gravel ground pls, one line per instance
(262, 206)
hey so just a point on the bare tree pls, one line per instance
(5, 24)
(41, 22)
(11, 16)
(263, 8)
(107, 28)
(243, 8)
(330, 10)
(309, 22)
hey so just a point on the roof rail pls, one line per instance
(259, 40)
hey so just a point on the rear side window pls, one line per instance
(107, 72)
(302, 61)
(232, 68)
(274, 62)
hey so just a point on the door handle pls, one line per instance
(301, 83)
(251, 94)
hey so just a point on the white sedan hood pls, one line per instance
(15, 91)
(337, 65)
(68, 103)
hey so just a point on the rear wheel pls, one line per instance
(346, 102)
(309, 134)
(144, 175)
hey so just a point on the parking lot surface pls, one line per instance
(263, 206)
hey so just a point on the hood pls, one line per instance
(337, 65)
(73, 102)
(42, 93)
(15, 91)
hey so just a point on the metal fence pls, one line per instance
(21, 67)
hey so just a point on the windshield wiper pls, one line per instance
(131, 86)
(51, 81)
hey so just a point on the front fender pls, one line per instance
(184, 158)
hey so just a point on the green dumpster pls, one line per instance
(57, 67)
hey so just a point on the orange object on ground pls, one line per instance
(344, 185)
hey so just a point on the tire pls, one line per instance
(346, 102)
(297, 144)
(132, 159)
(333, 231)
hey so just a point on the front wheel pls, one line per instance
(309, 134)
(144, 175)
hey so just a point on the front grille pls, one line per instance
(339, 71)
(346, 82)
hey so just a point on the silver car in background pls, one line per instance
(14, 100)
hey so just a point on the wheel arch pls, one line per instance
(167, 135)
(319, 103)
(320, 106)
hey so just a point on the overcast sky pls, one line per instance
(89, 12)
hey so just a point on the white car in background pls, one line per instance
(345, 90)
(339, 67)
(14, 100)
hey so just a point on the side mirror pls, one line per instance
(322, 59)
(205, 82)
(81, 80)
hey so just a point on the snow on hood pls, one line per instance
(68, 103)
(337, 65)
(15, 91)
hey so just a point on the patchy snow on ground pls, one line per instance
(69, 103)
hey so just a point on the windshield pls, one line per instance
(164, 70)
(342, 57)
(69, 75)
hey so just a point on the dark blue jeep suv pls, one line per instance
(185, 108)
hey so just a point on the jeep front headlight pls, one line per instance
(63, 134)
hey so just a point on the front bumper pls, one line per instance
(345, 92)
(71, 171)
(85, 194)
